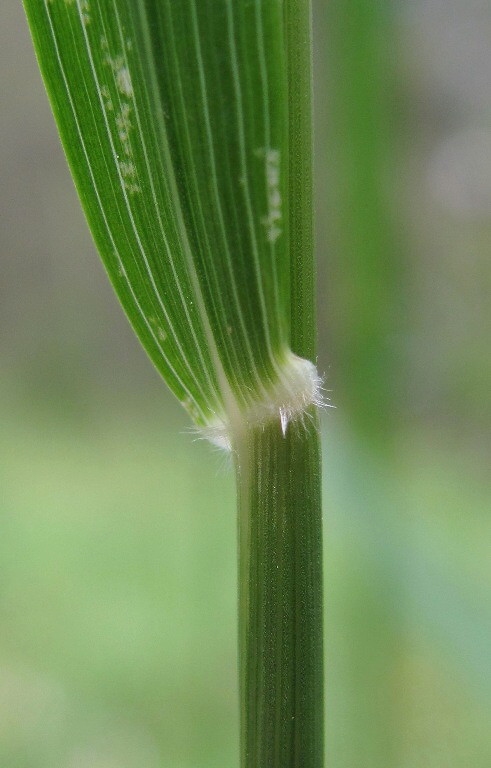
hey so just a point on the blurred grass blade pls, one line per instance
(174, 119)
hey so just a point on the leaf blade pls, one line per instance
(174, 119)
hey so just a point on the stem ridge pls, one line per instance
(280, 596)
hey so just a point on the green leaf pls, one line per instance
(174, 117)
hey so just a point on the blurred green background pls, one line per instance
(117, 527)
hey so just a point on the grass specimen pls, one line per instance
(187, 129)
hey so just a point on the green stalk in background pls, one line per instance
(364, 316)
(187, 127)
(366, 262)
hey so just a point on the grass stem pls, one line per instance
(280, 596)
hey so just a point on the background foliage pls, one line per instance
(117, 546)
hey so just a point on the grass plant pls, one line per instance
(187, 127)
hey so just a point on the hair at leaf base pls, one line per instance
(289, 399)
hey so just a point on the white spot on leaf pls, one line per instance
(123, 124)
(85, 12)
(271, 221)
(127, 168)
(123, 80)
(122, 75)
(128, 173)
(106, 97)
(83, 6)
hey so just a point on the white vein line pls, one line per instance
(101, 207)
(211, 384)
(247, 194)
(216, 296)
(267, 141)
(126, 199)
(166, 359)
(216, 193)
(218, 305)
(128, 205)
(228, 396)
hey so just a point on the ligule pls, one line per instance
(297, 387)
